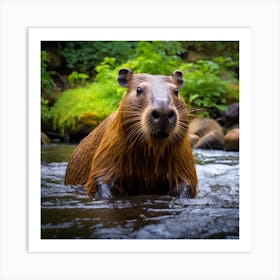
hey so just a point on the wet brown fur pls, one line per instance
(121, 152)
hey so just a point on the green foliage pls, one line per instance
(85, 56)
(155, 58)
(45, 112)
(46, 78)
(99, 99)
(204, 87)
(226, 64)
(210, 84)
(76, 78)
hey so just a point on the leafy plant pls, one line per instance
(85, 56)
(46, 115)
(76, 78)
(47, 83)
(46, 79)
(155, 57)
(204, 87)
(97, 100)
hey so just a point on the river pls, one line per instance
(68, 213)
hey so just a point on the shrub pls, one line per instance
(76, 78)
(155, 58)
(46, 115)
(85, 56)
(46, 76)
(99, 99)
(204, 87)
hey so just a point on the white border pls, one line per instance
(243, 35)
(263, 16)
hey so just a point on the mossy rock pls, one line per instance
(86, 123)
(45, 140)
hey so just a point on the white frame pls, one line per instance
(262, 262)
(243, 35)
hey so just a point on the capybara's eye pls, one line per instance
(176, 92)
(139, 90)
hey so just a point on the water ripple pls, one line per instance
(67, 211)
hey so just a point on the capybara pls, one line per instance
(143, 147)
(206, 133)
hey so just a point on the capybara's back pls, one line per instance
(143, 147)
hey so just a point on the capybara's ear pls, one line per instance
(178, 77)
(124, 76)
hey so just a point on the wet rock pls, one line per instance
(231, 117)
(193, 138)
(206, 133)
(231, 140)
(85, 124)
(45, 140)
(232, 113)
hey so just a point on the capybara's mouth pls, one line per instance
(160, 135)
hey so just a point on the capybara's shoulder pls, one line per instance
(79, 163)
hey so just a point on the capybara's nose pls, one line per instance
(163, 117)
(163, 120)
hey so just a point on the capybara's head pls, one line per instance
(152, 109)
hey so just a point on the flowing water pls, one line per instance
(68, 213)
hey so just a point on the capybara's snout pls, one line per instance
(162, 119)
